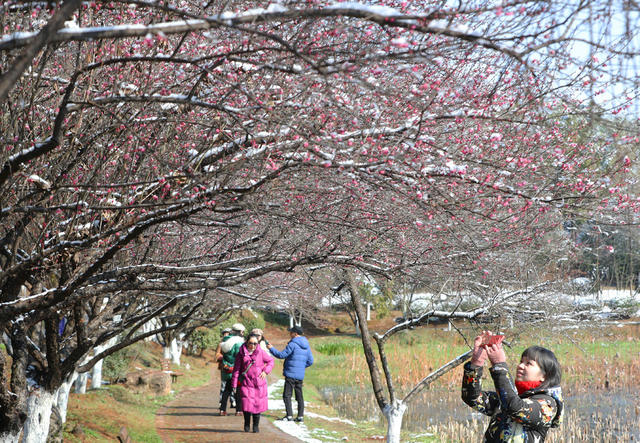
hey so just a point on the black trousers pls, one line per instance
(226, 394)
(230, 396)
(293, 385)
(247, 421)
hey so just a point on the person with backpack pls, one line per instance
(224, 333)
(230, 346)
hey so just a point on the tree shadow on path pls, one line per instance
(193, 417)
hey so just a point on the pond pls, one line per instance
(600, 415)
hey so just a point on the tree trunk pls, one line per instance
(356, 324)
(96, 375)
(96, 371)
(13, 394)
(36, 427)
(176, 351)
(7, 437)
(81, 383)
(374, 371)
(62, 395)
(394, 414)
(150, 326)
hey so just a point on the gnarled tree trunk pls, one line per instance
(39, 406)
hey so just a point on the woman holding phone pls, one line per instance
(520, 411)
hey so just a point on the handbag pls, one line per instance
(241, 377)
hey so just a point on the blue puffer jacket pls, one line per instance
(297, 357)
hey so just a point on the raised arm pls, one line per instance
(485, 402)
(284, 353)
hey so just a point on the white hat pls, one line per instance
(238, 327)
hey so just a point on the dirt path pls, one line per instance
(193, 417)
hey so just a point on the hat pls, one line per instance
(226, 331)
(238, 327)
(296, 329)
(257, 331)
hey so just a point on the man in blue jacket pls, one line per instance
(297, 357)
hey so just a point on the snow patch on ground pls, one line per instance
(298, 430)
(324, 417)
(275, 404)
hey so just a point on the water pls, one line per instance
(589, 416)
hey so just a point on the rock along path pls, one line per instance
(193, 417)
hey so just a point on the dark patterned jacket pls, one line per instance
(514, 418)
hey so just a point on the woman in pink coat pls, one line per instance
(250, 379)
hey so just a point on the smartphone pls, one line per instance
(493, 339)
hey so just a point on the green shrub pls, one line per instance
(115, 365)
(276, 318)
(204, 338)
(250, 320)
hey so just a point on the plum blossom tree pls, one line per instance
(157, 155)
(298, 293)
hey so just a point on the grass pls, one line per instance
(411, 355)
(338, 347)
(101, 413)
(112, 408)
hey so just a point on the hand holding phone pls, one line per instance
(492, 339)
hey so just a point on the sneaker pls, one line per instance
(287, 418)
(239, 413)
(246, 428)
(299, 419)
(223, 413)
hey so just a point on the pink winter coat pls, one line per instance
(253, 389)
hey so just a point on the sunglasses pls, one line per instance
(252, 343)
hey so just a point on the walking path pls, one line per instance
(193, 417)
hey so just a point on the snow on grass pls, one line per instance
(298, 430)
(276, 403)
(334, 419)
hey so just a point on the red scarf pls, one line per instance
(524, 386)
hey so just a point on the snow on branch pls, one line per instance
(383, 16)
